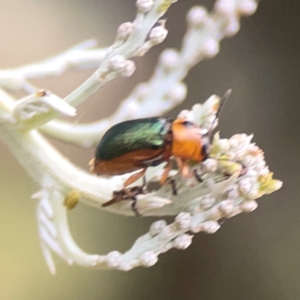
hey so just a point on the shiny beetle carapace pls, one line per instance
(141, 143)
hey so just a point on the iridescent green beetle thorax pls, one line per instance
(122, 138)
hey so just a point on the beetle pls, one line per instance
(135, 145)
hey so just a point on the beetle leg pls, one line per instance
(134, 208)
(197, 176)
(134, 177)
(166, 172)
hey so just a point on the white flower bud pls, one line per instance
(197, 16)
(249, 206)
(126, 266)
(129, 68)
(148, 259)
(166, 233)
(225, 6)
(223, 145)
(245, 186)
(183, 114)
(183, 241)
(177, 92)
(247, 7)
(183, 220)
(265, 171)
(124, 31)
(209, 165)
(158, 34)
(207, 202)
(117, 63)
(233, 193)
(253, 194)
(157, 227)
(210, 226)
(196, 228)
(232, 27)
(211, 48)
(169, 59)
(112, 259)
(166, 248)
(226, 207)
(144, 6)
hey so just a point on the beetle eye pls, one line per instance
(188, 124)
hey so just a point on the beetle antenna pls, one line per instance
(222, 102)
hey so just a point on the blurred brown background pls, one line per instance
(253, 256)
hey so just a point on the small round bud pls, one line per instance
(183, 241)
(249, 206)
(129, 68)
(142, 90)
(183, 114)
(223, 145)
(166, 233)
(117, 63)
(207, 202)
(197, 16)
(253, 194)
(148, 259)
(265, 171)
(183, 220)
(247, 7)
(226, 207)
(126, 266)
(157, 227)
(210, 226)
(158, 34)
(211, 48)
(245, 186)
(113, 259)
(144, 6)
(124, 31)
(232, 27)
(177, 92)
(166, 248)
(209, 165)
(259, 166)
(169, 59)
(225, 6)
(196, 228)
(233, 193)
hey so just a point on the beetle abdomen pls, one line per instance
(131, 145)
